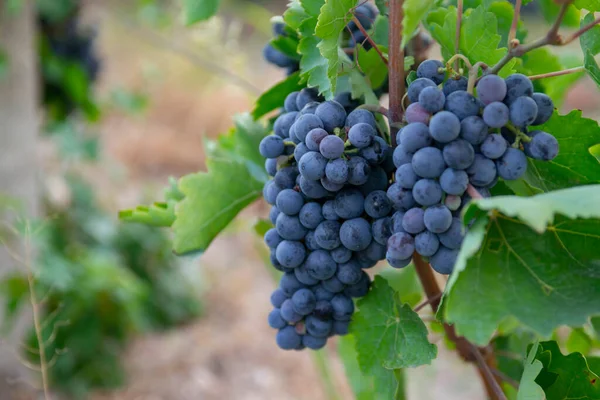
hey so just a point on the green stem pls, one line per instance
(401, 388)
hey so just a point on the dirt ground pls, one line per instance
(229, 353)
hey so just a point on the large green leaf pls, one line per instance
(372, 66)
(574, 165)
(531, 258)
(389, 334)
(157, 214)
(233, 180)
(275, 96)
(333, 18)
(528, 389)
(441, 23)
(590, 44)
(294, 15)
(199, 10)
(414, 12)
(565, 377)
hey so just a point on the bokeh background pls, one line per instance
(134, 322)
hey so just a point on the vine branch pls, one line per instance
(370, 40)
(512, 34)
(557, 73)
(396, 65)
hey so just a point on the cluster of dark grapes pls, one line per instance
(330, 170)
(454, 139)
(276, 57)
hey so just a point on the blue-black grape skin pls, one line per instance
(382, 230)
(359, 289)
(414, 89)
(283, 123)
(543, 146)
(273, 214)
(337, 171)
(412, 222)
(312, 189)
(289, 284)
(332, 114)
(322, 294)
(358, 171)
(311, 215)
(313, 343)
(401, 156)
(355, 234)
(452, 85)
(341, 254)
(312, 165)
(328, 211)
(443, 260)
(406, 177)
(437, 218)
(314, 138)
(462, 104)
(272, 238)
(275, 320)
(432, 99)
(426, 243)
(517, 85)
(482, 172)
(304, 301)
(343, 307)
(278, 297)
(320, 265)
(495, 114)
(523, 111)
(271, 191)
(400, 246)
(453, 237)
(331, 147)
(306, 123)
(444, 127)
(397, 262)
(491, 88)
(376, 152)
(374, 252)
(289, 227)
(290, 102)
(416, 113)
(545, 108)
(427, 192)
(361, 135)
(288, 312)
(428, 162)
(289, 202)
(397, 218)
(327, 234)
(333, 285)
(299, 151)
(401, 198)
(317, 327)
(494, 146)
(271, 166)
(271, 146)
(414, 137)
(430, 69)
(366, 14)
(473, 130)
(454, 182)
(286, 177)
(512, 165)
(349, 273)
(288, 339)
(458, 154)
(349, 203)
(304, 277)
(290, 253)
(330, 186)
(377, 205)
(305, 96)
(276, 57)
(361, 116)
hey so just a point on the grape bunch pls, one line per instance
(330, 170)
(276, 57)
(454, 139)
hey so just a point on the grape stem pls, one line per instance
(521, 137)
(474, 74)
(427, 302)
(396, 65)
(459, 14)
(456, 57)
(370, 40)
(512, 34)
(557, 73)
(552, 38)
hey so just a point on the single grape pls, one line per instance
(382, 230)
(512, 165)
(458, 154)
(331, 186)
(289, 202)
(301, 273)
(311, 215)
(426, 243)
(309, 108)
(271, 166)
(495, 114)
(402, 199)
(313, 342)
(443, 260)
(454, 182)
(289, 284)
(401, 156)
(283, 123)
(288, 339)
(355, 234)
(286, 177)
(428, 162)
(444, 127)
(373, 253)
(306, 123)
(349, 273)
(416, 113)
(361, 116)
(304, 301)
(271, 146)
(482, 172)
(543, 146)
(323, 309)
(376, 152)
(273, 214)
(332, 114)
(453, 85)
(437, 218)
(361, 135)
(473, 130)
(312, 166)
(341, 254)
(276, 264)
(517, 85)
(415, 88)
(331, 147)
(343, 307)
(406, 177)
(349, 203)
(400, 246)
(414, 137)
(337, 171)
(523, 111)
(358, 171)
(272, 238)
(430, 69)
(327, 234)
(453, 237)
(306, 96)
(318, 327)
(494, 146)
(288, 312)
(432, 99)
(300, 150)
(359, 289)
(377, 204)
(290, 102)
(314, 138)
(412, 222)
(462, 104)
(312, 189)
(491, 88)
(333, 285)
(271, 191)
(397, 219)
(328, 211)
(545, 108)
(427, 192)
(320, 265)
(397, 262)
(278, 297)
(321, 294)
(290, 227)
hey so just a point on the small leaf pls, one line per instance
(578, 341)
(389, 334)
(533, 258)
(199, 10)
(372, 66)
(414, 12)
(275, 96)
(157, 214)
(294, 15)
(574, 165)
(528, 389)
(287, 45)
(381, 28)
(550, 10)
(590, 44)
(405, 282)
(382, 7)
(590, 5)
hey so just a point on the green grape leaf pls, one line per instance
(382, 7)
(294, 15)
(389, 334)
(531, 258)
(157, 214)
(360, 88)
(199, 10)
(414, 12)
(579, 341)
(372, 66)
(441, 23)
(233, 180)
(275, 96)
(590, 44)
(550, 10)
(590, 5)
(528, 389)
(574, 165)
(287, 45)
(565, 377)
(381, 28)
(334, 16)
(405, 282)
(411, 77)
(382, 385)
